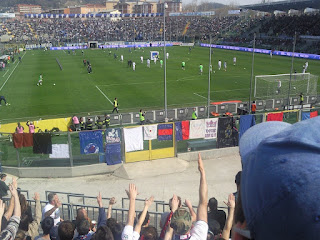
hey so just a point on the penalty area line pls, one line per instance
(104, 95)
(199, 95)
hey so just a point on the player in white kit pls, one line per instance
(219, 65)
(134, 66)
(141, 58)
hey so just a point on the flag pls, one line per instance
(113, 135)
(308, 115)
(227, 136)
(246, 122)
(22, 140)
(197, 129)
(211, 127)
(113, 154)
(17, 140)
(91, 142)
(133, 139)
(185, 125)
(305, 115)
(42, 143)
(178, 131)
(275, 117)
(313, 114)
(165, 132)
(150, 132)
(60, 151)
(186, 29)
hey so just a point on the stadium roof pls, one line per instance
(284, 5)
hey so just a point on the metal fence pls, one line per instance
(24, 157)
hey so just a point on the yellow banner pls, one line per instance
(61, 123)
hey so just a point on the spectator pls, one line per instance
(46, 225)
(66, 230)
(3, 186)
(103, 233)
(181, 220)
(237, 182)
(83, 229)
(76, 123)
(11, 230)
(29, 225)
(281, 162)
(31, 127)
(52, 208)
(130, 233)
(115, 227)
(214, 214)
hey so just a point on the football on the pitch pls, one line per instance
(294, 88)
(54, 84)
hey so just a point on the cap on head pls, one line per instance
(181, 221)
(280, 179)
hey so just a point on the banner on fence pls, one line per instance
(113, 135)
(227, 137)
(211, 126)
(165, 132)
(197, 129)
(246, 122)
(150, 132)
(60, 151)
(133, 139)
(42, 143)
(91, 142)
(113, 154)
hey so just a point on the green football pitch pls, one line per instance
(74, 91)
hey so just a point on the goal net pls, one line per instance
(277, 86)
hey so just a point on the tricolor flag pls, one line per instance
(165, 132)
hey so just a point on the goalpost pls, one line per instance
(277, 86)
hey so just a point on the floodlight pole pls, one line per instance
(252, 67)
(165, 5)
(209, 79)
(292, 58)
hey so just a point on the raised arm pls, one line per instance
(33, 228)
(8, 213)
(202, 213)
(111, 202)
(227, 227)
(2, 207)
(192, 212)
(174, 207)
(132, 194)
(17, 208)
(102, 220)
(147, 204)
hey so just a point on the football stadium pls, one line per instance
(99, 95)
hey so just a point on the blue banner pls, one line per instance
(113, 154)
(178, 131)
(91, 142)
(265, 51)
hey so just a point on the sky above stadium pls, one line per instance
(235, 2)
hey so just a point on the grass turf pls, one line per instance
(77, 92)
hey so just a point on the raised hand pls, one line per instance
(149, 201)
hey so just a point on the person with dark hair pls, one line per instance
(215, 214)
(28, 224)
(115, 227)
(146, 219)
(237, 181)
(103, 233)
(83, 229)
(46, 225)
(149, 233)
(66, 230)
(3, 186)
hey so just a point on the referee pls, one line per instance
(115, 105)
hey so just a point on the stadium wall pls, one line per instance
(264, 51)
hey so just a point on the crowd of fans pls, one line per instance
(103, 29)
(277, 190)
